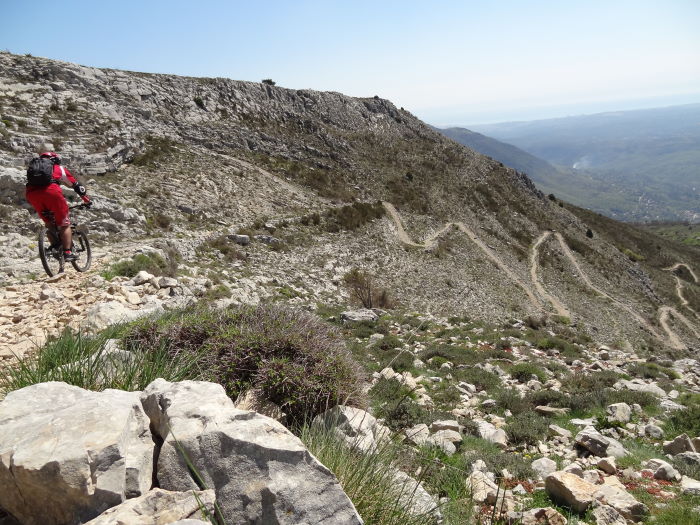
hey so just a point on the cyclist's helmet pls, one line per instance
(55, 157)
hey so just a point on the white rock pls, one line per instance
(606, 515)
(356, 427)
(71, 452)
(679, 444)
(258, 469)
(619, 412)
(490, 433)
(544, 467)
(358, 316)
(622, 501)
(481, 487)
(413, 496)
(690, 486)
(662, 470)
(599, 445)
(158, 506)
(607, 465)
(570, 490)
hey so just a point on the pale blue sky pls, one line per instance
(447, 62)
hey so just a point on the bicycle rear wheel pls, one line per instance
(81, 249)
(51, 258)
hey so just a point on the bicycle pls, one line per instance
(51, 249)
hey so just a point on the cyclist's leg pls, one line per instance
(59, 207)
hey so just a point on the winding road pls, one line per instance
(664, 312)
(432, 240)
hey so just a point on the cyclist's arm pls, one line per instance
(68, 179)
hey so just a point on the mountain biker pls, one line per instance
(49, 197)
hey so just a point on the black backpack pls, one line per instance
(40, 172)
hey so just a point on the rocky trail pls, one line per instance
(679, 284)
(534, 265)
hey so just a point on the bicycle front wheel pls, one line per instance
(81, 249)
(51, 258)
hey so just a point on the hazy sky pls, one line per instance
(458, 62)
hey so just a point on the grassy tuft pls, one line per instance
(367, 478)
(80, 360)
(294, 359)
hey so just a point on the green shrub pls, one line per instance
(156, 150)
(510, 399)
(651, 371)
(223, 245)
(523, 372)
(160, 220)
(457, 355)
(550, 398)
(526, 428)
(150, 262)
(389, 342)
(685, 420)
(353, 216)
(644, 399)
(444, 394)
(398, 360)
(296, 360)
(496, 459)
(393, 401)
(363, 287)
(565, 348)
(481, 379)
(220, 291)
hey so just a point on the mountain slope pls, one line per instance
(184, 161)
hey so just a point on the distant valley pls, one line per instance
(636, 166)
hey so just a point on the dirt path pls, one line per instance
(32, 311)
(679, 285)
(432, 240)
(675, 341)
(572, 258)
(534, 265)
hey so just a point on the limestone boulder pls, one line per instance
(541, 516)
(101, 315)
(544, 467)
(690, 486)
(619, 412)
(417, 435)
(679, 444)
(356, 427)
(358, 316)
(413, 496)
(490, 433)
(260, 471)
(570, 490)
(622, 501)
(158, 506)
(598, 444)
(481, 487)
(606, 515)
(663, 470)
(68, 454)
